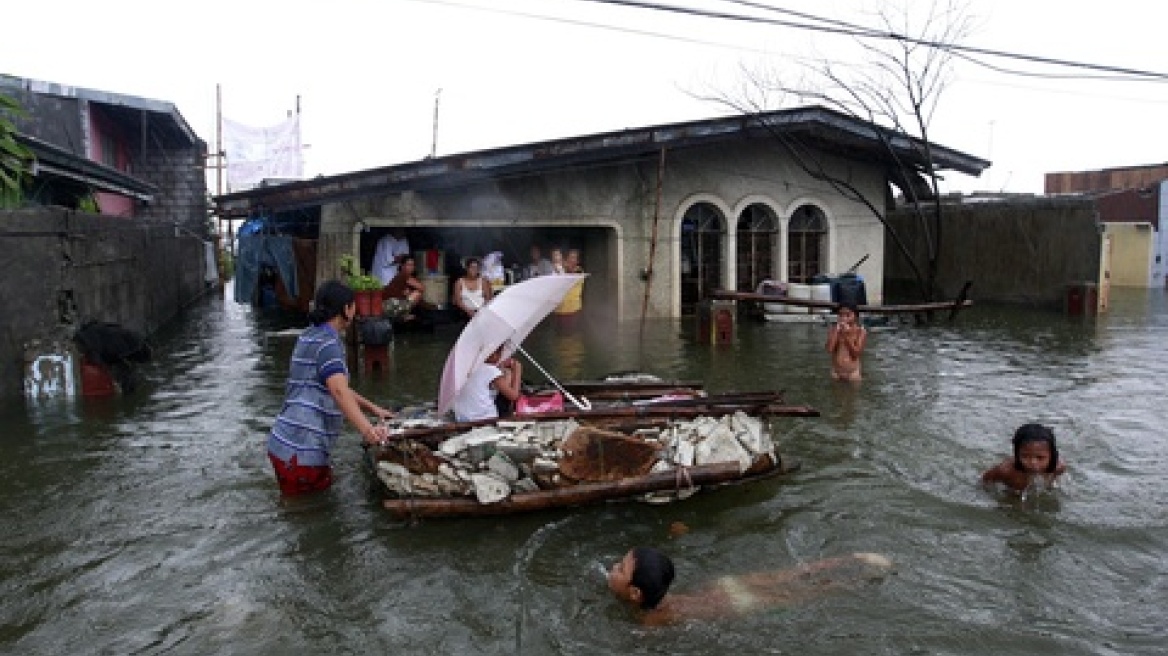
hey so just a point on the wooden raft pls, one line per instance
(723, 473)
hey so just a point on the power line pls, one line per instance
(847, 29)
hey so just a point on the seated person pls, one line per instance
(477, 398)
(644, 575)
(471, 291)
(405, 289)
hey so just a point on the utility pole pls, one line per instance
(434, 142)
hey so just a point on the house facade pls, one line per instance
(662, 215)
(134, 157)
(113, 226)
(1133, 209)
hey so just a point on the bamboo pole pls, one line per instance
(831, 305)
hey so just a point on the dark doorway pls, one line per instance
(701, 254)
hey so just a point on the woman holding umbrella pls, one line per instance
(318, 397)
(478, 397)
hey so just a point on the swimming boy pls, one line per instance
(845, 342)
(644, 575)
(1035, 454)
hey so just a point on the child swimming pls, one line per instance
(1035, 455)
(642, 578)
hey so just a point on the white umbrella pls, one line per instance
(507, 319)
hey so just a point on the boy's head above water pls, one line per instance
(1035, 451)
(642, 577)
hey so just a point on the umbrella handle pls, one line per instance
(581, 403)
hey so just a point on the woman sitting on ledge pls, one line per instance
(404, 292)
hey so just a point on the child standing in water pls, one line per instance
(845, 342)
(1035, 455)
(644, 575)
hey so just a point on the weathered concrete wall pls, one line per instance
(1131, 253)
(620, 201)
(59, 269)
(1016, 251)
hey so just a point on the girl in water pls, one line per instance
(1036, 458)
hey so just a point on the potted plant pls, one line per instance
(366, 287)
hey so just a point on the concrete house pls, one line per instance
(662, 214)
(1132, 204)
(136, 156)
(114, 226)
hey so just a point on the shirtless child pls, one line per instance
(845, 342)
(644, 575)
(1035, 455)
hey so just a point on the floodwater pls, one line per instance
(151, 524)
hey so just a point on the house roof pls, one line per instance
(824, 128)
(53, 161)
(173, 128)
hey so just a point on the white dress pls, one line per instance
(473, 298)
(476, 399)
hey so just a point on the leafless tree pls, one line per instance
(898, 86)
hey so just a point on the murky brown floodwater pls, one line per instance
(152, 525)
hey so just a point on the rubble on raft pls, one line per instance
(491, 463)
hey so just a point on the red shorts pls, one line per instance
(296, 479)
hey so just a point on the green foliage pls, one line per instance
(88, 203)
(355, 278)
(15, 159)
(228, 263)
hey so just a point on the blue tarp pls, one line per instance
(256, 250)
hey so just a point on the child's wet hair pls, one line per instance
(1028, 433)
(847, 306)
(653, 574)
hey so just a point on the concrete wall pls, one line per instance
(619, 201)
(1131, 253)
(59, 268)
(1015, 251)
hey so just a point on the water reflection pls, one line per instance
(151, 524)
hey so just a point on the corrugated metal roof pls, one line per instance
(823, 126)
(113, 100)
(55, 161)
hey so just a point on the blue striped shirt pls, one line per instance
(310, 421)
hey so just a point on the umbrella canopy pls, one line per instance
(507, 319)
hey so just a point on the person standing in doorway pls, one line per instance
(391, 250)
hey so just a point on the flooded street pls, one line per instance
(153, 525)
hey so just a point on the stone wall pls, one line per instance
(1015, 251)
(62, 268)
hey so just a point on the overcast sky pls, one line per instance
(516, 71)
